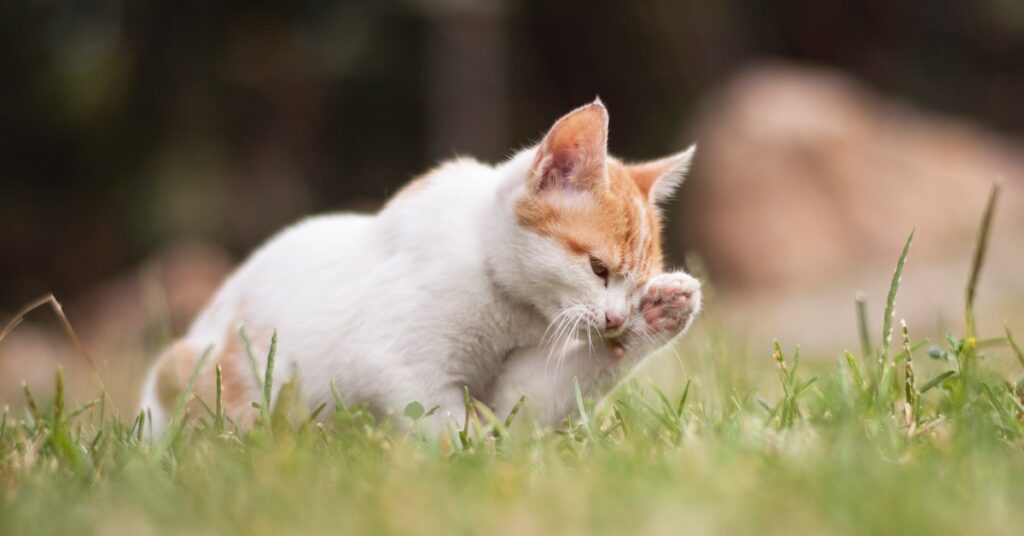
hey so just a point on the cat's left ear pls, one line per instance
(658, 179)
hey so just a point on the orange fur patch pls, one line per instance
(416, 185)
(616, 223)
(173, 369)
(413, 186)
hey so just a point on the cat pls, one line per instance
(508, 280)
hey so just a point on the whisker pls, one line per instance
(563, 331)
(590, 341)
(561, 352)
(554, 321)
(557, 334)
(658, 340)
(565, 345)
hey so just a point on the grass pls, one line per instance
(899, 439)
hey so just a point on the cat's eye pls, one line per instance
(600, 270)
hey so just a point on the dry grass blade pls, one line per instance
(58, 310)
(979, 258)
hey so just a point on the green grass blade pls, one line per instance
(250, 355)
(316, 412)
(339, 403)
(1013, 345)
(30, 401)
(936, 381)
(581, 406)
(661, 416)
(467, 402)
(181, 404)
(851, 362)
(268, 380)
(497, 428)
(58, 397)
(1010, 422)
(910, 391)
(219, 416)
(890, 301)
(665, 404)
(515, 411)
(804, 386)
(1017, 406)
(683, 397)
(862, 327)
(913, 348)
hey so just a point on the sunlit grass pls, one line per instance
(921, 437)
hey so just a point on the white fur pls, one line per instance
(442, 289)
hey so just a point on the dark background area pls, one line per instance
(128, 125)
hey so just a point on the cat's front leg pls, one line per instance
(545, 376)
(444, 398)
(451, 409)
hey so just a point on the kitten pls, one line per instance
(509, 280)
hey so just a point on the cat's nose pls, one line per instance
(613, 321)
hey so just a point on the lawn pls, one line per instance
(901, 435)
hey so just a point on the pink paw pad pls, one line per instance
(668, 303)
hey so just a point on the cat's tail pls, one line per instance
(170, 375)
(164, 382)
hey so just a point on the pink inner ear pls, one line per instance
(573, 153)
(563, 163)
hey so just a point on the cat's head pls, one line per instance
(588, 230)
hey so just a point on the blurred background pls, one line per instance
(146, 147)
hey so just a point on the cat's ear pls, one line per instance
(658, 179)
(573, 155)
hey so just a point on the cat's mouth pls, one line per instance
(582, 333)
(615, 333)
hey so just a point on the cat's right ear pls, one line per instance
(658, 179)
(573, 155)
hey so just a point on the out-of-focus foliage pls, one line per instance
(124, 124)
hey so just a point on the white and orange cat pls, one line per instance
(509, 280)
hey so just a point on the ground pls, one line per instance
(903, 435)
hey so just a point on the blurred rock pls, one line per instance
(30, 355)
(164, 294)
(807, 183)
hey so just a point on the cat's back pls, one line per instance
(429, 230)
(289, 268)
(451, 190)
(438, 218)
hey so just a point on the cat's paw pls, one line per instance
(669, 303)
